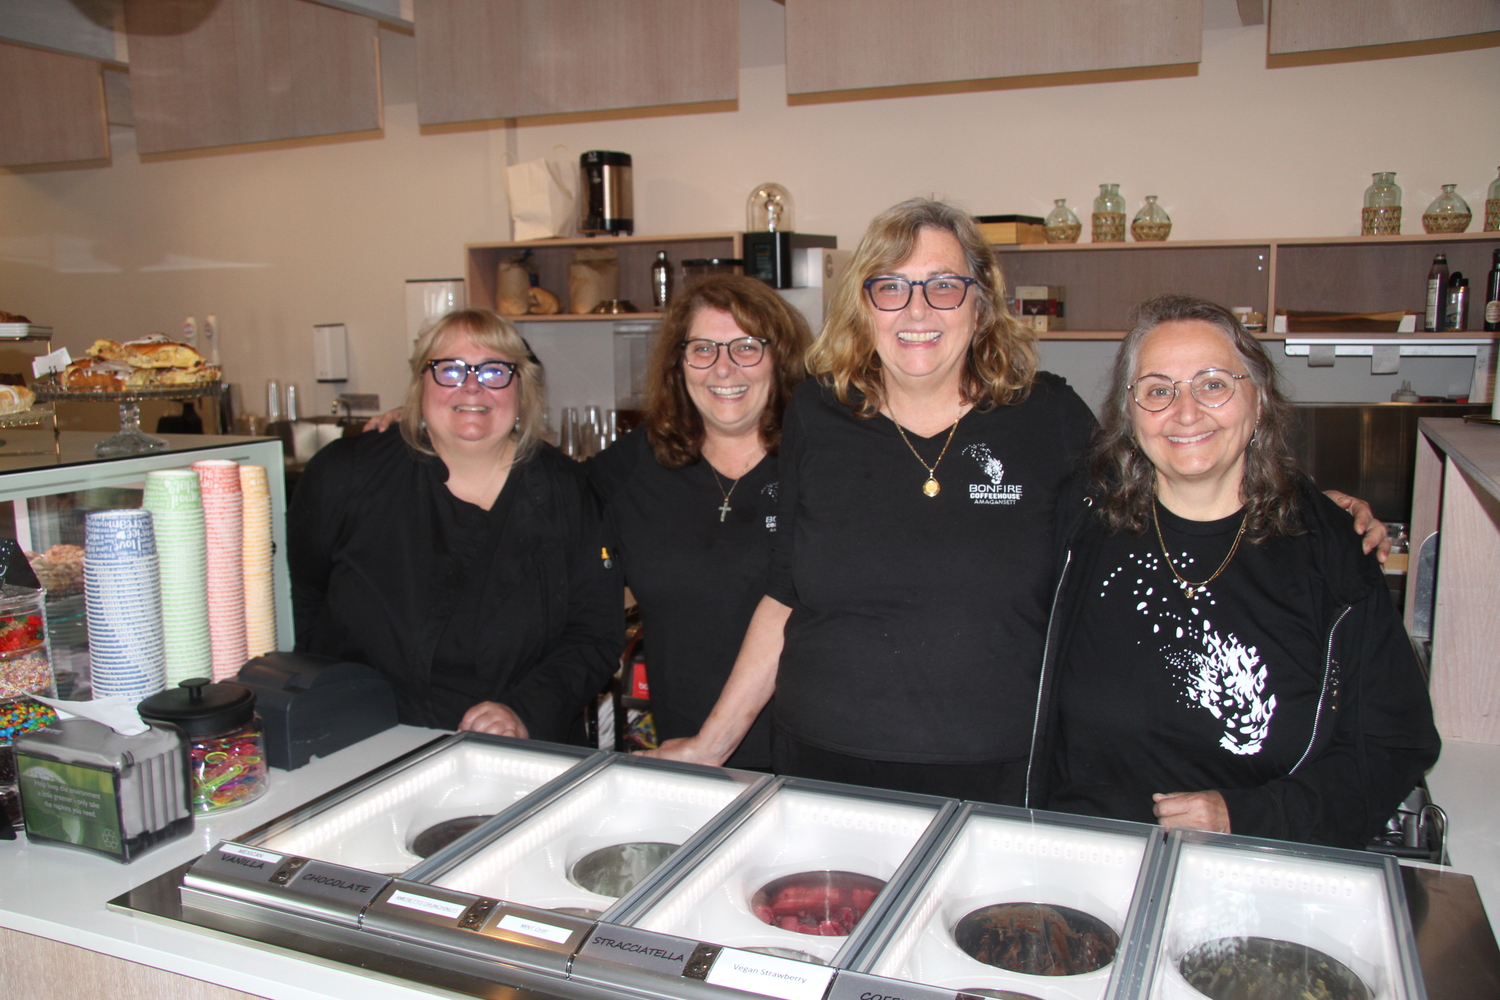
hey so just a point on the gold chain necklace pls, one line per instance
(1192, 588)
(724, 508)
(931, 487)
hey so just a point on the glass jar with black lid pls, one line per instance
(224, 737)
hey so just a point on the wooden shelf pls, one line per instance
(1337, 273)
(636, 254)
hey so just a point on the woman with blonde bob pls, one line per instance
(901, 629)
(461, 557)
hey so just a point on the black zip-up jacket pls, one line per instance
(1372, 737)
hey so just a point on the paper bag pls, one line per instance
(541, 200)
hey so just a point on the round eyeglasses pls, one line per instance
(743, 351)
(452, 373)
(1210, 387)
(889, 294)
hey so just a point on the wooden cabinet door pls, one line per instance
(224, 72)
(834, 45)
(485, 59)
(51, 108)
(1314, 25)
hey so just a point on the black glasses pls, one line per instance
(946, 292)
(452, 373)
(743, 351)
(1210, 387)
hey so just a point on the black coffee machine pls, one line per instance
(606, 206)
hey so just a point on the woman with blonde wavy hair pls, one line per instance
(462, 557)
(920, 471)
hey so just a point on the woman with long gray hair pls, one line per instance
(1226, 656)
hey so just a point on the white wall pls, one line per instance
(276, 239)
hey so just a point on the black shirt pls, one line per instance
(696, 578)
(917, 622)
(454, 604)
(1159, 692)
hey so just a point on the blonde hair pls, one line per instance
(1002, 354)
(492, 333)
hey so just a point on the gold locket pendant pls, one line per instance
(931, 487)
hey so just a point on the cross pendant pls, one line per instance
(724, 510)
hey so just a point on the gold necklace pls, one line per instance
(931, 487)
(724, 508)
(1192, 588)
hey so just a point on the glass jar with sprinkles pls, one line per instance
(224, 738)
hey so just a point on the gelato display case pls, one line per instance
(328, 859)
(1019, 904)
(774, 902)
(1239, 917)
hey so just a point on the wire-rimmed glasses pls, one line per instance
(743, 351)
(1211, 387)
(890, 293)
(452, 373)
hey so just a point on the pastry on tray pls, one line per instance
(149, 363)
(15, 398)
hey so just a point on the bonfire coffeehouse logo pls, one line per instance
(996, 491)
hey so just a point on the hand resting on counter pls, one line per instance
(494, 718)
(1192, 811)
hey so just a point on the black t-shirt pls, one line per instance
(452, 603)
(917, 622)
(1158, 692)
(696, 577)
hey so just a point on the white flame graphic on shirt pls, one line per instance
(1223, 676)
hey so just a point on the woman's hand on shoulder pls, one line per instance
(1376, 538)
(1192, 811)
(687, 749)
(494, 718)
(386, 420)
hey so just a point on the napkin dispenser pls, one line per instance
(313, 705)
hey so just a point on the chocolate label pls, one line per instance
(346, 885)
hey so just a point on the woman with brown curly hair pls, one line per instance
(691, 496)
(1226, 657)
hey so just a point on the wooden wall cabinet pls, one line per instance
(835, 45)
(224, 72)
(1314, 25)
(1353, 274)
(550, 257)
(51, 108)
(479, 60)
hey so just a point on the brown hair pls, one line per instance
(1126, 478)
(673, 424)
(1002, 354)
(497, 335)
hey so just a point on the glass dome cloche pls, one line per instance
(770, 209)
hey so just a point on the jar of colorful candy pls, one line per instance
(224, 739)
(25, 670)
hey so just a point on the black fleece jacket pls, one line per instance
(1373, 736)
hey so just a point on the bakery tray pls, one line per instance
(58, 394)
(37, 415)
(24, 331)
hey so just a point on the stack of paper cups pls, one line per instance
(176, 506)
(223, 523)
(123, 601)
(260, 603)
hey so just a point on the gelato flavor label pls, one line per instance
(426, 904)
(335, 882)
(858, 986)
(768, 975)
(639, 949)
(250, 853)
(70, 803)
(525, 926)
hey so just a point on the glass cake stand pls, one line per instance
(131, 440)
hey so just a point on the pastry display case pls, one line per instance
(1020, 904)
(1241, 917)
